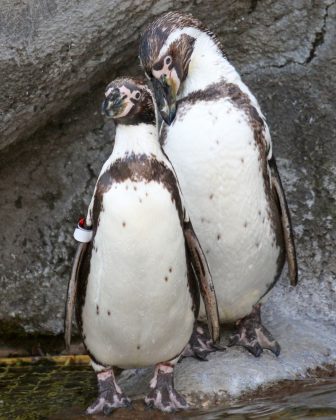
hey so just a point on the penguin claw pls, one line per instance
(199, 355)
(200, 345)
(110, 396)
(166, 399)
(252, 335)
(254, 348)
(107, 406)
(163, 395)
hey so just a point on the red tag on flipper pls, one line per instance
(82, 232)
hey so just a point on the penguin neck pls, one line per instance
(136, 139)
(208, 66)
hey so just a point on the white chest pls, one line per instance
(137, 309)
(212, 148)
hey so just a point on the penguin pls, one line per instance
(139, 267)
(218, 141)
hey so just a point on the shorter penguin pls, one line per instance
(133, 280)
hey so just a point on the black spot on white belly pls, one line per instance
(124, 224)
(97, 309)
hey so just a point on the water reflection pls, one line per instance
(54, 392)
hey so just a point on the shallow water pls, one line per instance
(63, 392)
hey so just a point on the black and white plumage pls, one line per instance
(219, 143)
(136, 294)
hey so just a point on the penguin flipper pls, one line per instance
(206, 286)
(285, 222)
(71, 294)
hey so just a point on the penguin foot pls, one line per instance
(200, 345)
(163, 395)
(110, 395)
(252, 335)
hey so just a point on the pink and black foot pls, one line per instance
(252, 335)
(200, 344)
(163, 395)
(110, 395)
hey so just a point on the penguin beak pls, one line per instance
(165, 95)
(111, 106)
(105, 107)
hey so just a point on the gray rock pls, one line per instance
(54, 50)
(51, 52)
(229, 375)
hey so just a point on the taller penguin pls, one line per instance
(218, 141)
(137, 299)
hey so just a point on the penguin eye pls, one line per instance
(137, 95)
(168, 60)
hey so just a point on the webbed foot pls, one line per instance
(252, 335)
(163, 395)
(200, 344)
(110, 395)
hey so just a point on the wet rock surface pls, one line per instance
(58, 392)
(285, 52)
(235, 372)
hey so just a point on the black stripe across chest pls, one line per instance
(136, 168)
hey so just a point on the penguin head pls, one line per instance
(166, 50)
(129, 101)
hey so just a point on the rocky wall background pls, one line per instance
(55, 58)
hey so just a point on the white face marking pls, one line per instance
(108, 92)
(127, 95)
(164, 71)
(172, 78)
(175, 36)
(129, 104)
